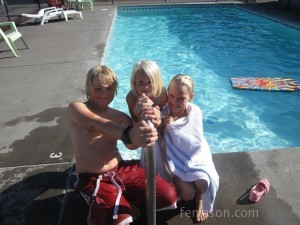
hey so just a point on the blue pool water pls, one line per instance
(212, 44)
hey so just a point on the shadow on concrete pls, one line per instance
(47, 143)
(244, 198)
(33, 199)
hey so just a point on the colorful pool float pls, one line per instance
(265, 84)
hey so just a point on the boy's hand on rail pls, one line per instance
(142, 135)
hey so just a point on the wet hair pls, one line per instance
(151, 69)
(103, 74)
(185, 80)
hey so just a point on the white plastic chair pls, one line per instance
(11, 37)
(57, 12)
(71, 12)
(45, 14)
(39, 16)
(80, 3)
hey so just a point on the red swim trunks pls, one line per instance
(109, 194)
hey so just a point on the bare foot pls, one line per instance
(201, 215)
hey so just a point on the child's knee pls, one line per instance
(202, 185)
(187, 195)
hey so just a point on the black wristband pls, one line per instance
(125, 135)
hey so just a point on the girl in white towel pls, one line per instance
(188, 154)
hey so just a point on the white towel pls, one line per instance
(188, 153)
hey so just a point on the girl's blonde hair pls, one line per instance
(103, 74)
(185, 80)
(151, 69)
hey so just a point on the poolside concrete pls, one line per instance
(36, 161)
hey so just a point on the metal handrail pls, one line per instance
(150, 164)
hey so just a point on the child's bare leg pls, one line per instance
(186, 190)
(201, 186)
(200, 214)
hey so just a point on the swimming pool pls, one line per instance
(212, 44)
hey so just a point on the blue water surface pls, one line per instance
(212, 44)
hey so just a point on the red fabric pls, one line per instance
(131, 179)
(55, 3)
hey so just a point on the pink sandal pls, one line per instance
(258, 190)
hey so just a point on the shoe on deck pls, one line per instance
(258, 190)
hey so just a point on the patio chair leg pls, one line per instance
(14, 49)
(23, 40)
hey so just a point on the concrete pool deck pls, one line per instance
(36, 162)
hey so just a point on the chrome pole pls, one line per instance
(150, 164)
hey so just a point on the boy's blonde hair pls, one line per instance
(185, 80)
(151, 69)
(103, 74)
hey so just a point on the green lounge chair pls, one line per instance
(11, 36)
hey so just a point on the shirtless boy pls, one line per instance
(105, 181)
